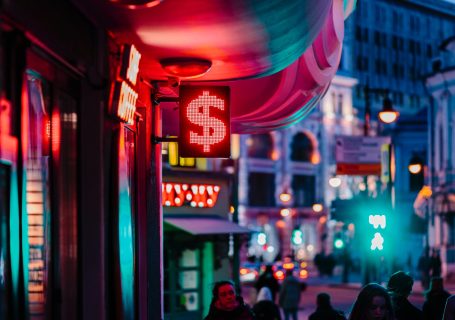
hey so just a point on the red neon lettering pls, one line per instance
(194, 195)
(127, 103)
(214, 130)
(133, 65)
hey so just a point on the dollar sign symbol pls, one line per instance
(214, 130)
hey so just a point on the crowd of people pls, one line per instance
(374, 301)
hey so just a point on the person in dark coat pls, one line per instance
(435, 263)
(290, 296)
(267, 279)
(435, 300)
(372, 303)
(449, 310)
(227, 305)
(324, 310)
(400, 287)
(265, 308)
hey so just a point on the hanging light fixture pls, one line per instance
(185, 68)
(135, 4)
(415, 165)
(388, 114)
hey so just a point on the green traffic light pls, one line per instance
(339, 244)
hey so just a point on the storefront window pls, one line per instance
(182, 284)
(50, 221)
(36, 222)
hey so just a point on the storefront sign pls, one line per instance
(123, 102)
(194, 195)
(358, 155)
(204, 122)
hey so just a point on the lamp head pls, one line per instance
(388, 114)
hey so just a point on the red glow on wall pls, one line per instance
(204, 122)
(193, 195)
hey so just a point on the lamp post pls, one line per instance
(387, 115)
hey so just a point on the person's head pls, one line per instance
(372, 303)
(323, 300)
(264, 294)
(436, 284)
(268, 268)
(400, 284)
(224, 295)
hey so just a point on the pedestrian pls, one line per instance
(449, 310)
(435, 300)
(227, 305)
(324, 309)
(400, 287)
(372, 303)
(435, 263)
(290, 296)
(423, 266)
(265, 308)
(266, 279)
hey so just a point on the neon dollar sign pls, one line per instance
(214, 130)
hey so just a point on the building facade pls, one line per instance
(441, 159)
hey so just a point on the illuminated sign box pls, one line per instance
(204, 122)
(124, 97)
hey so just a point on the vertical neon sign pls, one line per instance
(124, 97)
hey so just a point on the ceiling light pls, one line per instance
(185, 67)
(136, 4)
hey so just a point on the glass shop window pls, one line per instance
(50, 126)
(182, 284)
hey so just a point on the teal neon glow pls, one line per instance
(125, 229)
(14, 231)
(339, 243)
(377, 242)
(377, 220)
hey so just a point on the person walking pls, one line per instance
(400, 287)
(227, 305)
(449, 310)
(435, 300)
(290, 296)
(266, 279)
(372, 303)
(423, 266)
(435, 263)
(324, 310)
(265, 308)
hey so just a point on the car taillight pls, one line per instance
(288, 265)
(279, 275)
(303, 274)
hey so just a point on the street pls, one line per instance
(342, 295)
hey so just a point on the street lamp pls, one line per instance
(415, 165)
(388, 114)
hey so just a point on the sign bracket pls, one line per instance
(156, 100)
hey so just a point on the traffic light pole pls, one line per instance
(366, 131)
